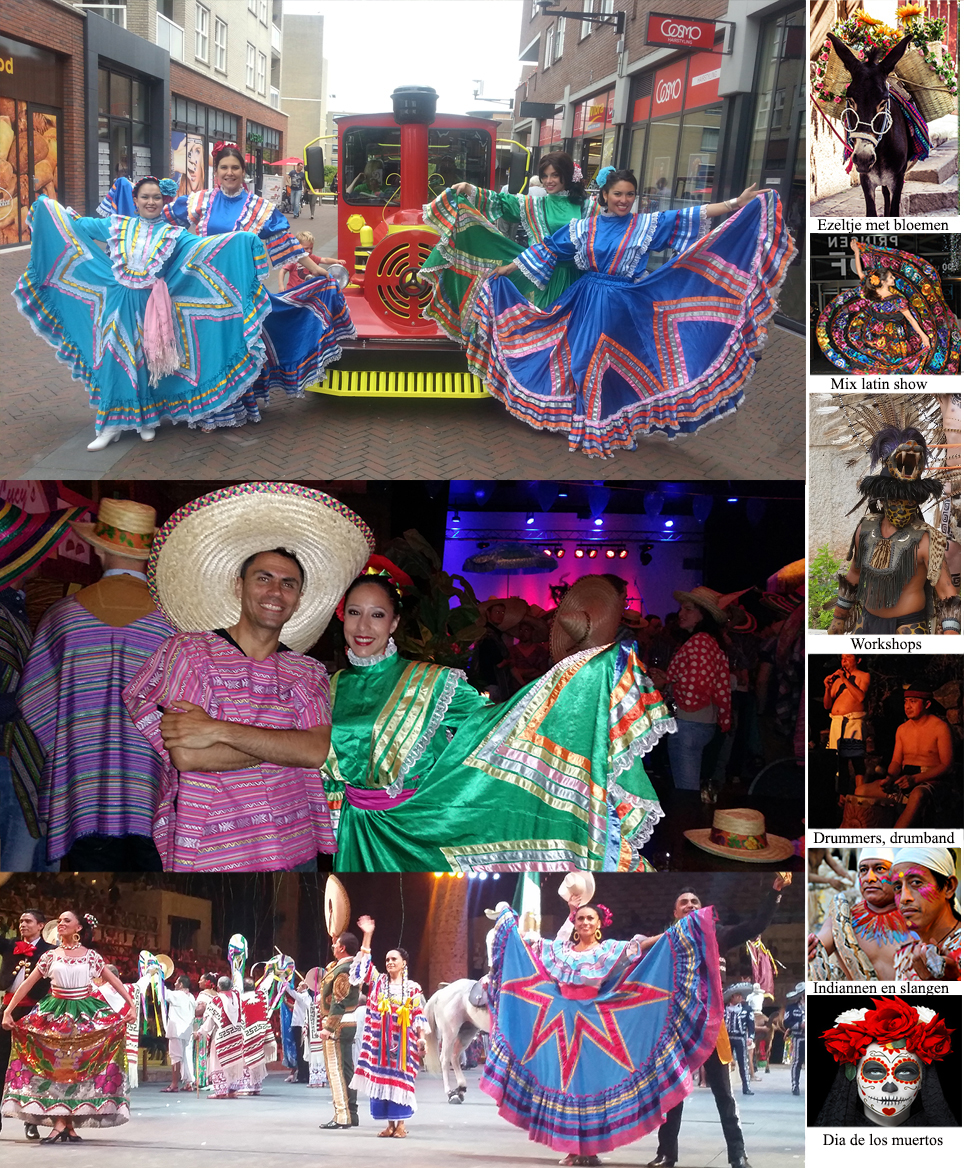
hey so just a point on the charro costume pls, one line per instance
(337, 1001)
(885, 565)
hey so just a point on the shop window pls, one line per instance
(120, 96)
(123, 128)
(202, 24)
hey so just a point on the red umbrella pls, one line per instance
(285, 162)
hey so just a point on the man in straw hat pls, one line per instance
(921, 766)
(100, 781)
(337, 1001)
(925, 885)
(858, 941)
(588, 616)
(241, 719)
(716, 1067)
(25, 540)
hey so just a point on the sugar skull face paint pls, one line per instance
(888, 1082)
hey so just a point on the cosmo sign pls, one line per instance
(682, 32)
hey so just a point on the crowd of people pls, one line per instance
(357, 1026)
(141, 262)
(146, 712)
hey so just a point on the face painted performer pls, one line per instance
(886, 1077)
(925, 886)
(858, 941)
(898, 580)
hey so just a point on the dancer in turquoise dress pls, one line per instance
(162, 325)
(303, 331)
(625, 351)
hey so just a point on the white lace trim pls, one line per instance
(364, 662)
(441, 709)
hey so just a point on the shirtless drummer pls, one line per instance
(922, 762)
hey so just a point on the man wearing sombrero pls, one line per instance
(241, 719)
(795, 1022)
(100, 779)
(739, 1027)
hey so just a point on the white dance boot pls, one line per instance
(147, 433)
(108, 435)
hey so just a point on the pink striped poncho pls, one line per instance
(258, 819)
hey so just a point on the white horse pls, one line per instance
(454, 1022)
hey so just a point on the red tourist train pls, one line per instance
(389, 166)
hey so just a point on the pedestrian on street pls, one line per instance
(296, 183)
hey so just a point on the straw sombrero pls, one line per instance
(740, 834)
(122, 527)
(25, 539)
(540, 629)
(587, 617)
(197, 555)
(706, 599)
(337, 907)
(797, 992)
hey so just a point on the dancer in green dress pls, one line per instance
(471, 246)
(551, 780)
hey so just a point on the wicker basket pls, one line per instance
(836, 79)
(930, 94)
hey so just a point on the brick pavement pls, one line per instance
(47, 424)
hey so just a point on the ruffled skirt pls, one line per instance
(612, 359)
(68, 1061)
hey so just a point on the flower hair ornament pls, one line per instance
(91, 920)
(219, 146)
(577, 173)
(885, 1053)
(605, 916)
(379, 566)
(874, 280)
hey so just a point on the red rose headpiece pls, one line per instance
(890, 1022)
(219, 146)
(379, 566)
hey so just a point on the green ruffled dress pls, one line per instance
(470, 246)
(551, 780)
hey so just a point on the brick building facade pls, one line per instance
(695, 124)
(42, 51)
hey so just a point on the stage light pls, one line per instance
(610, 553)
(623, 553)
(579, 553)
(456, 518)
(482, 544)
(495, 875)
(733, 500)
(560, 552)
(459, 875)
(598, 522)
(530, 519)
(483, 875)
(472, 875)
(592, 553)
(438, 875)
(644, 557)
(668, 523)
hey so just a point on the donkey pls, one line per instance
(876, 126)
(454, 1021)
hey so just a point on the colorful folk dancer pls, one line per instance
(895, 321)
(181, 1009)
(160, 326)
(624, 351)
(658, 1000)
(393, 1041)
(68, 1062)
(223, 1028)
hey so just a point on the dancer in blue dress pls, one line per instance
(162, 325)
(305, 326)
(625, 351)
